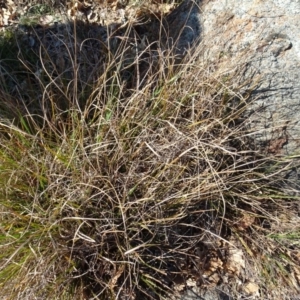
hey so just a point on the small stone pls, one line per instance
(251, 288)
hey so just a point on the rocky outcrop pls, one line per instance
(262, 39)
(263, 36)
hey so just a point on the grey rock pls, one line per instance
(261, 37)
(198, 293)
(264, 37)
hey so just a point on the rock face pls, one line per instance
(263, 36)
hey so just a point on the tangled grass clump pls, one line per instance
(112, 190)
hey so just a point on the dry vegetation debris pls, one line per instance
(97, 12)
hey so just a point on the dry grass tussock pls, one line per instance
(118, 185)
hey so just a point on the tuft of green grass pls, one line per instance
(113, 177)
